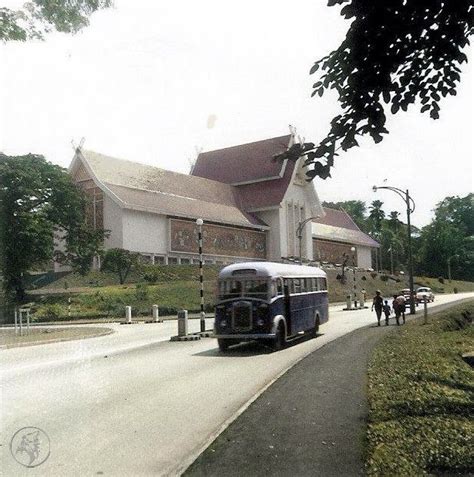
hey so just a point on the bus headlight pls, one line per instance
(223, 323)
(260, 322)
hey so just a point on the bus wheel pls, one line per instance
(314, 331)
(223, 344)
(279, 342)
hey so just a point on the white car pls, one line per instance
(423, 293)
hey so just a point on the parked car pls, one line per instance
(423, 293)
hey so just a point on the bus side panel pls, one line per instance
(321, 306)
(302, 312)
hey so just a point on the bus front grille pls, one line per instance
(242, 316)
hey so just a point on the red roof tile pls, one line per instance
(242, 163)
(264, 194)
(337, 218)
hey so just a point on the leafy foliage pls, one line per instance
(450, 236)
(83, 245)
(120, 261)
(38, 17)
(396, 52)
(421, 400)
(37, 200)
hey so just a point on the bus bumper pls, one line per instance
(247, 336)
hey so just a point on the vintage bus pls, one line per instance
(275, 302)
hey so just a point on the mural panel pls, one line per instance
(332, 252)
(217, 240)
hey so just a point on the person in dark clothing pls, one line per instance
(386, 311)
(377, 303)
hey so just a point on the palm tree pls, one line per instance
(376, 217)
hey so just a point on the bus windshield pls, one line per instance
(237, 288)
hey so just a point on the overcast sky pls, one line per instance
(156, 81)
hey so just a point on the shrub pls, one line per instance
(384, 278)
(141, 292)
(440, 279)
(373, 274)
(50, 311)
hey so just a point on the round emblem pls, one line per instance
(30, 446)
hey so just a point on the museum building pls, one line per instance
(251, 206)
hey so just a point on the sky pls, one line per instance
(157, 82)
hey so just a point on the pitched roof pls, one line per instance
(143, 187)
(260, 195)
(337, 218)
(338, 226)
(243, 163)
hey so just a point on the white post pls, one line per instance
(69, 306)
(16, 321)
(425, 310)
(156, 314)
(182, 323)
(21, 322)
(128, 314)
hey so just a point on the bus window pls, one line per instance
(256, 288)
(279, 286)
(322, 284)
(297, 285)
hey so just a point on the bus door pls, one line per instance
(287, 305)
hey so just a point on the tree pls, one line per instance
(376, 217)
(449, 237)
(38, 17)
(396, 52)
(37, 199)
(120, 261)
(83, 245)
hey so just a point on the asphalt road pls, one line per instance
(139, 405)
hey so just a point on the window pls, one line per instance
(297, 285)
(172, 260)
(322, 285)
(279, 286)
(159, 259)
(185, 261)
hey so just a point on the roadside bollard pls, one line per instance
(156, 314)
(16, 321)
(425, 310)
(128, 314)
(182, 323)
(348, 302)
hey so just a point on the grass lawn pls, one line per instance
(36, 336)
(421, 399)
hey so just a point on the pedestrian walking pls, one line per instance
(386, 311)
(401, 301)
(377, 303)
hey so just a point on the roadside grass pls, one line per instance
(110, 301)
(36, 336)
(175, 287)
(421, 399)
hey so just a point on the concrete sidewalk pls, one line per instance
(311, 422)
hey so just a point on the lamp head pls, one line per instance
(199, 222)
(353, 249)
(374, 188)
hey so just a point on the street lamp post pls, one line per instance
(299, 234)
(410, 203)
(353, 250)
(199, 223)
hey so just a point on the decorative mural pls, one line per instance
(217, 240)
(332, 252)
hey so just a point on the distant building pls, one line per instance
(251, 205)
(335, 234)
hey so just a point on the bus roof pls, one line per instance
(269, 270)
